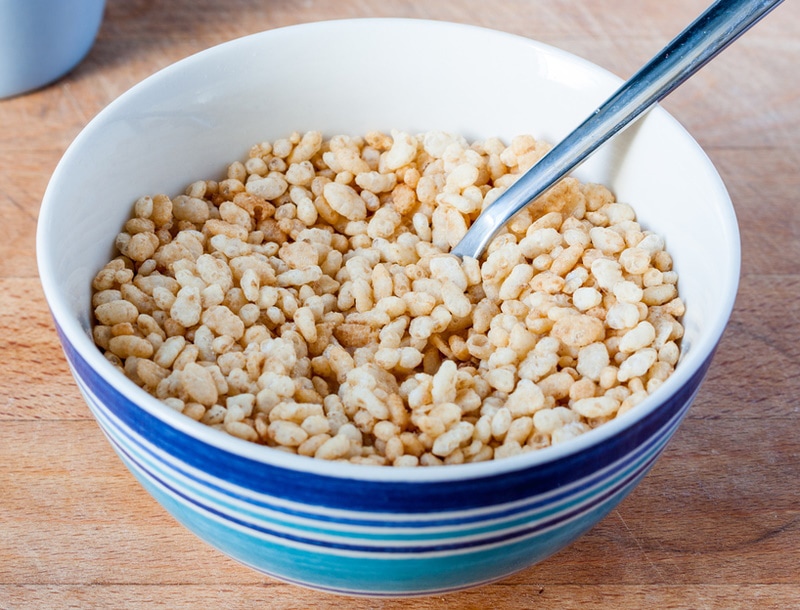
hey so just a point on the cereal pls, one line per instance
(307, 301)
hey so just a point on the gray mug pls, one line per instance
(42, 40)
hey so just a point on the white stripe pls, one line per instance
(202, 494)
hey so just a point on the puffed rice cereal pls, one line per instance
(307, 301)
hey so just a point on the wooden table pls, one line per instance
(715, 525)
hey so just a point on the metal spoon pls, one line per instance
(721, 24)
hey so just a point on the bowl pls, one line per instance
(42, 40)
(358, 529)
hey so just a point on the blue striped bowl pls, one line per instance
(351, 528)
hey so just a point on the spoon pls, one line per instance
(721, 24)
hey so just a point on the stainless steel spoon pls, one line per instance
(721, 24)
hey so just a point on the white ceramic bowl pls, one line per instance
(350, 528)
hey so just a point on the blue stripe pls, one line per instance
(550, 502)
(376, 575)
(380, 496)
(539, 526)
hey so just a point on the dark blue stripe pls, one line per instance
(551, 499)
(453, 546)
(378, 496)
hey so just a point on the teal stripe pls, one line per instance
(376, 575)
(437, 532)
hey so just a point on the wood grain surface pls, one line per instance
(716, 524)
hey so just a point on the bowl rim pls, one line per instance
(73, 332)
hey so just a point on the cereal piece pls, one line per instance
(547, 421)
(635, 260)
(651, 243)
(606, 272)
(578, 330)
(450, 268)
(502, 379)
(568, 431)
(658, 295)
(299, 254)
(150, 373)
(187, 309)
(637, 338)
(376, 182)
(334, 448)
(355, 335)
(627, 292)
(448, 442)
(519, 277)
(455, 300)
(223, 321)
(345, 201)
(592, 360)
(596, 406)
(241, 430)
(287, 433)
(269, 188)
(214, 271)
(541, 361)
(622, 315)
(214, 416)
(140, 246)
(526, 399)
(299, 277)
(116, 312)
(585, 298)
(127, 346)
(384, 223)
(637, 364)
(448, 226)
(669, 353)
(518, 432)
(191, 209)
(402, 152)
(557, 385)
(199, 384)
(606, 240)
(444, 383)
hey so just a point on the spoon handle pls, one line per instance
(721, 24)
